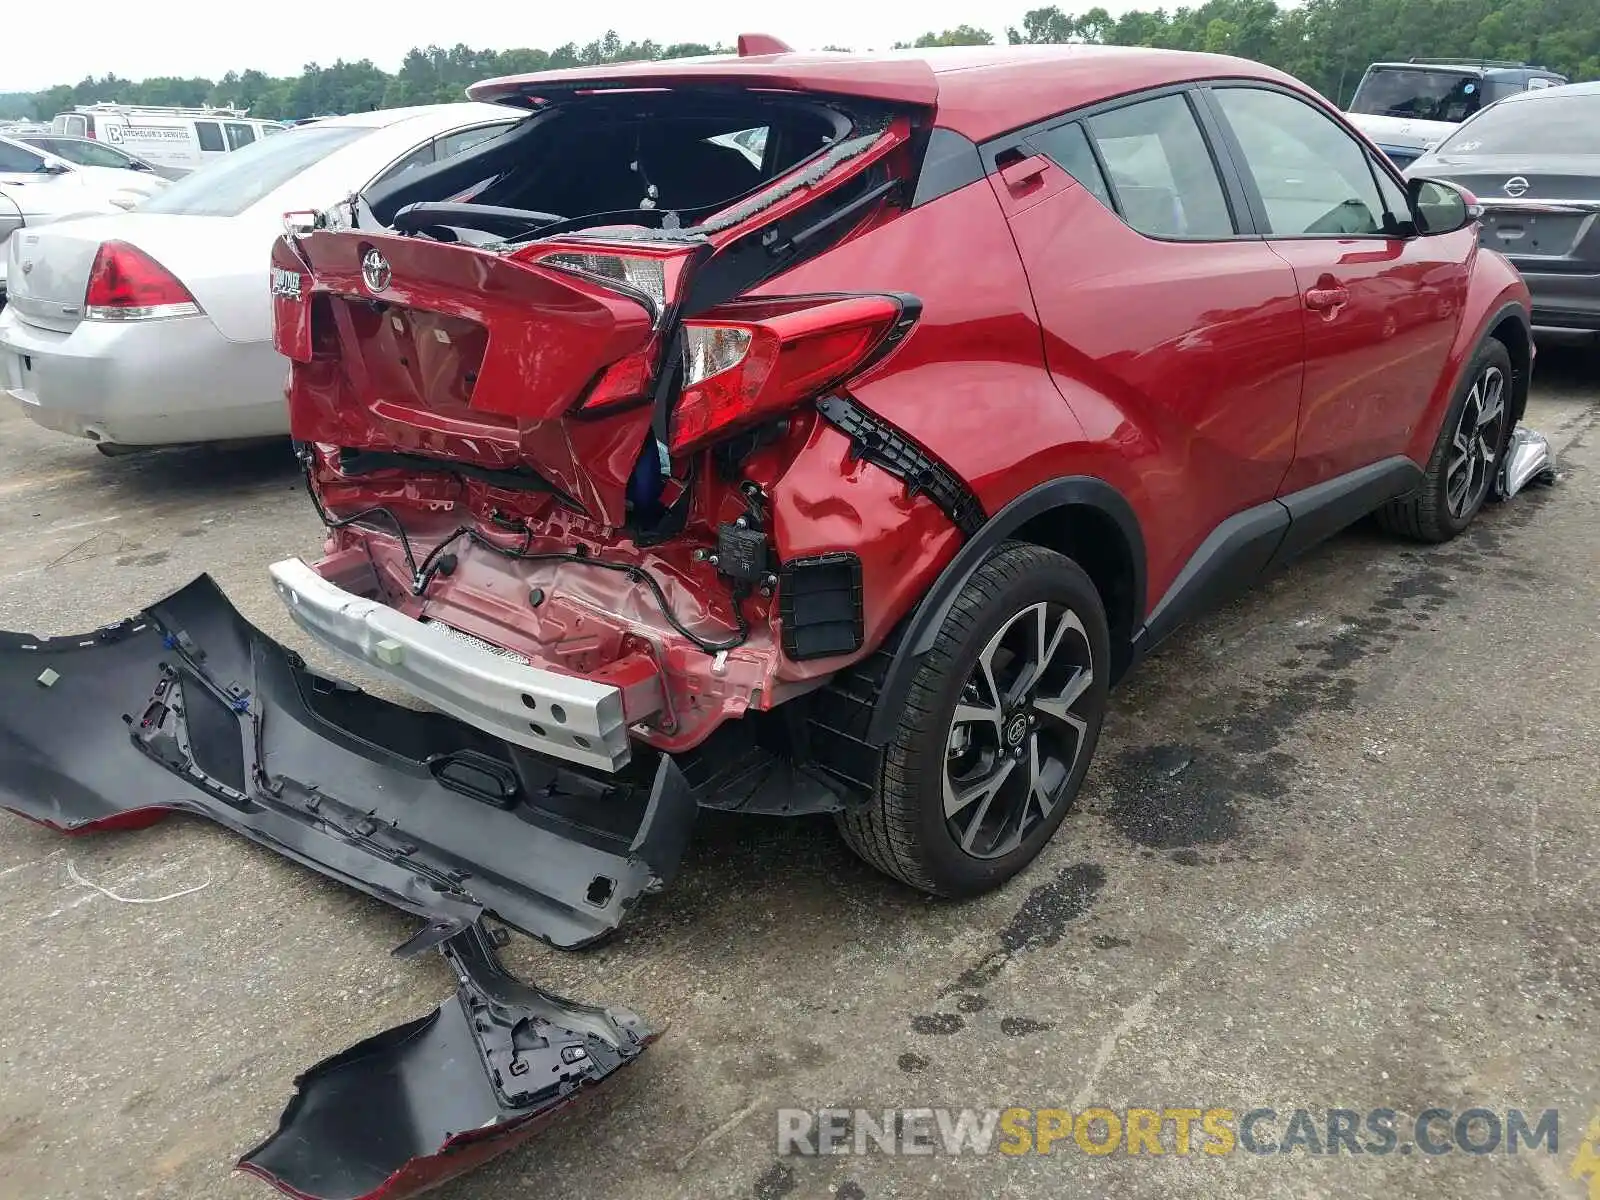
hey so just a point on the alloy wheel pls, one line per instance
(1476, 443)
(1019, 728)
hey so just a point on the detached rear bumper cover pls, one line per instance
(187, 707)
(424, 1102)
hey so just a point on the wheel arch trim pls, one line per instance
(927, 618)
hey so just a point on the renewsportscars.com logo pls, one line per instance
(1099, 1131)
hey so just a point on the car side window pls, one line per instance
(1162, 175)
(1068, 147)
(1313, 178)
(452, 144)
(239, 134)
(422, 156)
(19, 161)
(210, 135)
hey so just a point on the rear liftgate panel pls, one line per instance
(187, 707)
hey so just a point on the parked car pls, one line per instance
(1409, 107)
(849, 478)
(87, 152)
(1533, 162)
(155, 327)
(174, 138)
(38, 187)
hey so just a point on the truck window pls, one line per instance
(239, 134)
(210, 135)
(1424, 95)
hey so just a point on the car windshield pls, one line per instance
(228, 186)
(1552, 124)
(1425, 95)
(84, 153)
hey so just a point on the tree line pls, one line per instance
(1326, 43)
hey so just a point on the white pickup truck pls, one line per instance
(1409, 107)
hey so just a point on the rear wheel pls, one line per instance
(997, 731)
(1465, 456)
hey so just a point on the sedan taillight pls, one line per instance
(126, 284)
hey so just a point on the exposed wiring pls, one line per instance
(363, 517)
(430, 564)
(422, 575)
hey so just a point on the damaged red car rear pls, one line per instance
(838, 429)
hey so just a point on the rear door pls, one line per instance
(1153, 291)
(1379, 310)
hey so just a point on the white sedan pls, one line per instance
(154, 327)
(38, 186)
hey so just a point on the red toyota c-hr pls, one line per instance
(829, 432)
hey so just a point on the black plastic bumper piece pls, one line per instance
(187, 707)
(883, 445)
(424, 1102)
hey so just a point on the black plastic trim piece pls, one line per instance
(922, 627)
(1226, 563)
(820, 600)
(1250, 543)
(1322, 510)
(883, 445)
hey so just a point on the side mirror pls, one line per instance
(1441, 207)
(54, 168)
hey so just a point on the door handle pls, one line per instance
(1018, 175)
(1327, 299)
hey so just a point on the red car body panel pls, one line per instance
(1053, 341)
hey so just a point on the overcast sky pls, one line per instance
(54, 43)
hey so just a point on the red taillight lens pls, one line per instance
(737, 372)
(126, 284)
(652, 275)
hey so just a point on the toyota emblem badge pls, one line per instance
(375, 271)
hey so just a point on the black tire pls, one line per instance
(1425, 514)
(904, 830)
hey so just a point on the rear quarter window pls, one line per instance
(1068, 147)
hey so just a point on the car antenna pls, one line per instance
(762, 43)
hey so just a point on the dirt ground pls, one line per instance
(1337, 850)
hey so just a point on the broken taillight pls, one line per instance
(126, 284)
(737, 372)
(652, 275)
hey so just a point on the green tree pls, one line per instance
(1327, 43)
(961, 35)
